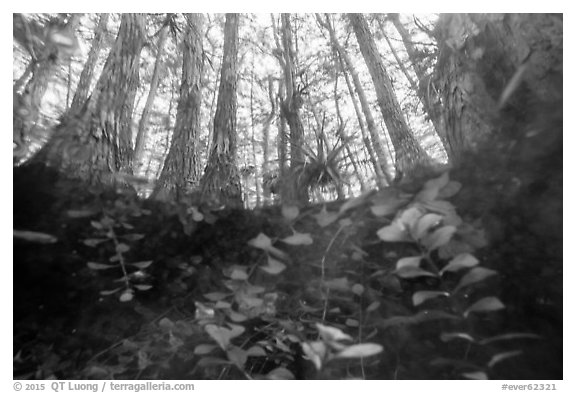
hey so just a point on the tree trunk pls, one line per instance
(292, 190)
(221, 181)
(424, 89)
(411, 160)
(143, 124)
(97, 142)
(181, 171)
(526, 53)
(266, 173)
(43, 66)
(83, 88)
(374, 143)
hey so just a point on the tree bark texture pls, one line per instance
(491, 70)
(44, 63)
(425, 89)
(143, 124)
(372, 142)
(98, 142)
(411, 159)
(83, 88)
(221, 180)
(181, 171)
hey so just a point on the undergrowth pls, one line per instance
(387, 285)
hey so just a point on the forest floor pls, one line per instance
(441, 283)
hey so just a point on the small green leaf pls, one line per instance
(204, 349)
(166, 324)
(424, 224)
(109, 292)
(445, 337)
(316, 352)
(329, 333)
(409, 217)
(261, 241)
(100, 266)
(35, 237)
(143, 287)
(352, 322)
(486, 304)
(132, 237)
(477, 375)
(393, 233)
(439, 237)
(215, 296)
(236, 316)
(473, 276)
(142, 265)
(273, 267)
(238, 273)
(237, 355)
(122, 248)
(280, 373)
(256, 350)
(290, 212)
(459, 262)
(196, 215)
(298, 239)
(408, 262)
(223, 335)
(325, 218)
(357, 289)
(93, 242)
(413, 272)
(127, 296)
(373, 306)
(509, 336)
(421, 296)
(220, 304)
(501, 356)
(360, 350)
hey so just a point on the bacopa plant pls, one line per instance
(114, 229)
(456, 289)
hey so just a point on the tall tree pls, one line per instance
(221, 180)
(411, 159)
(181, 171)
(372, 142)
(83, 88)
(143, 124)
(48, 46)
(424, 89)
(292, 189)
(98, 141)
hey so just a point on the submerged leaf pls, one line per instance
(408, 262)
(413, 272)
(486, 304)
(439, 237)
(459, 262)
(290, 212)
(299, 239)
(473, 276)
(393, 233)
(325, 218)
(280, 373)
(501, 356)
(261, 241)
(360, 350)
(100, 266)
(421, 296)
(273, 267)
